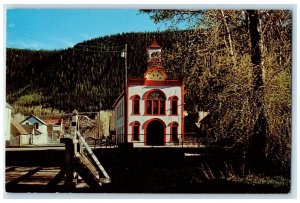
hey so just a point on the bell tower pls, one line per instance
(155, 70)
(154, 55)
(154, 105)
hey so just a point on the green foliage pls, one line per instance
(29, 99)
(276, 182)
(39, 111)
(222, 78)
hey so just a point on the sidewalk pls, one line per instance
(55, 146)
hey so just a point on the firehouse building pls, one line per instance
(155, 106)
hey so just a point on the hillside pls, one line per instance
(83, 76)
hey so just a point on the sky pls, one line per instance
(62, 28)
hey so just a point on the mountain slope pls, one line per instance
(83, 76)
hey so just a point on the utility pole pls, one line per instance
(99, 119)
(125, 91)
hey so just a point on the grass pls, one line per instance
(276, 181)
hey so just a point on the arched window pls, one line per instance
(136, 131)
(136, 105)
(174, 105)
(155, 103)
(174, 132)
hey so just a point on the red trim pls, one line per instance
(173, 98)
(155, 68)
(133, 99)
(182, 111)
(135, 123)
(143, 81)
(53, 120)
(152, 109)
(154, 45)
(174, 123)
(127, 114)
(153, 90)
(136, 95)
(146, 125)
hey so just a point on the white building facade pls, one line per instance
(154, 107)
(8, 110)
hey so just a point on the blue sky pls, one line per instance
(62, 28)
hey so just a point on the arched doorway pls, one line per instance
(155, 133)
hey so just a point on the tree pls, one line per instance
(237, 85)
(258, 139)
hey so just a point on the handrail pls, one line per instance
(113, 142)
(99, 165)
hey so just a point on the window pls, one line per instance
(117, 112)
(120, 110)
(136, 131)
(136, 105)
(36, 125)
(174, 132)
(155, 103)
(174, 105)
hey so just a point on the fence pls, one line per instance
(112, 142)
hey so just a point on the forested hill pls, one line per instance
(83, 76)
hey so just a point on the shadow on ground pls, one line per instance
(151, 170)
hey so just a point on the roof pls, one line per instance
(52, 121)
(19, 128)
(118, 99)
(29, 128)
(33, 116)
(202, 115)
(154, 45)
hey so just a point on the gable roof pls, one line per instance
(29, 129)
(54, 121)
(32, 116)
(19, 128)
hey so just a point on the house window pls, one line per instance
(174, 105)
(119, 110)
(174, 132)
(155, 103)
(136, 105)
(136, 131)
(36, 125)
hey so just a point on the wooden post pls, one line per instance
(68, 166)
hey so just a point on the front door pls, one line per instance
(155, 133)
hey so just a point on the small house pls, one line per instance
(18, 135)
(37, 128)
(34, 136)
(54, 128)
